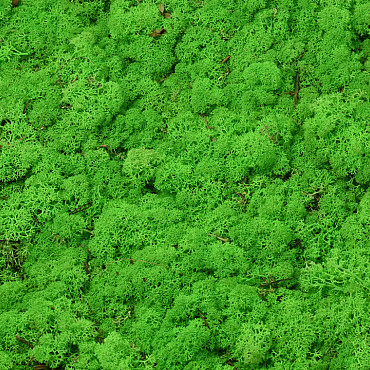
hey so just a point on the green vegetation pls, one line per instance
(184, 185)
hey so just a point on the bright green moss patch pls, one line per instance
(184, 185)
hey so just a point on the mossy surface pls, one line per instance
(184, 185)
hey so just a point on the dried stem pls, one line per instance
(25, 108)
(35, 218)
(22, 340)
(74, 80)
(268, 135)
(163, 79)
(226, 59)
(272, 282)
(226, 240)
(60, 82)
(296, 90)
(204, 320)
(81, 208)
(205, 120)
(86, 268)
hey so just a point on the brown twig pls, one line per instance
(272, 282)
(268, 135)
(296, 89)
(230, 363)
(74, 80)
(26, 107)
(226, 240)
(88, 250)
(86, 268)
(226, 59)
(204, 320)
(205, 120)
(163, 79)
(80, 208)
(22, 340)
(68, 60)
(35, 218)
(243, 199)
(60, 82)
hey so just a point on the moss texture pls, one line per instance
(184, 185)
